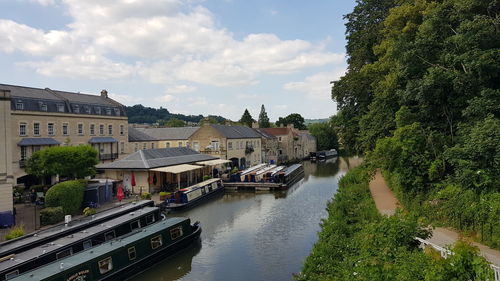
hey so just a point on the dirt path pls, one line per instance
(387, 203)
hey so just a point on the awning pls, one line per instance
(102, 140)
(177, 169)
(213, 162)
(38, 141)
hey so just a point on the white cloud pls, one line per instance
(317, 86)
(163, 41)
(180, 89)
(44, 2)
(126, 99)
(280, 107)
(247, 97)
(166, 98)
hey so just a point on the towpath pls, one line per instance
(386, 203)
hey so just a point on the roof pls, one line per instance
(154, 158)
(102, 140)
(38, 141)
(236, 132)
(276, 131)
(135, 135)
(264, 134)
(177, 169)
(177, 133)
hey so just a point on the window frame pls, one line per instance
(101, 129)
(110, 129)
(156, 242)
(25, 126)
(106, 261)
(80, 129)
(176, 232)
(60, 107)
(132, 250)
(11, 274)
(36, 129)
(51, 132)
(65, 127)
(107, 233)
(67, 252)
(92, 129)
(19, 105)
(138, 225)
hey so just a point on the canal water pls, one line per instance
(256, 235)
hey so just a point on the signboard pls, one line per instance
(67, 218)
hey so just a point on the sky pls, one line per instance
(210, 57)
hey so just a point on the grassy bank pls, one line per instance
(357, 243)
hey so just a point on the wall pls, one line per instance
(6, 174)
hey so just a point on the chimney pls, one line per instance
(255, 125)
(104, 94)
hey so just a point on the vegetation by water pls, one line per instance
(421, 96)
(357, 243)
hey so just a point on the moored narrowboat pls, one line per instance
(121, 258)
(290, 175)
(189, 197)
(15, 264)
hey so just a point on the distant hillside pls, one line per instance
(141, 114)
(312, 121)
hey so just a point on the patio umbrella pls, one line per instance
(132, 181)
(119, 193)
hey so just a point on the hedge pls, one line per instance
(68, 195)
(51, 215)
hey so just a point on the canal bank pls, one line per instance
(257, 236)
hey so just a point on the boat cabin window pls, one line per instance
(150, 219)
(109, 235)
(131, 253)
(11, 274)
(65, 253)
(156, 242)
(105, 265)
(87, 244)
(135, 225)
(176, 232)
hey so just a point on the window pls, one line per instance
(65, 129)
(105, 265)
(122, 130)
(167, 144)
(97, 110)
(87, 244)
(131, 253)
(135, 225)
(43, 106)
(150, 219)
(101, 129)
(196, 146)
(80, 129)
(179, 144)
(108, 111)
(117, 112)
(92, 129)
(176, 232)
(230, 145)
(144, 145)
(109, 235)
(24, 152)
(156, 242)
(76, 108)
(36, 129)
(122, 147)
(136, 147)
(152, 145)
(87, 109)
(50, 129)
(279, 139)
(23, 129)
(11, 274)
(60, 107)
(36, 148)
(19, 105)
(110, 130)
(64, 253)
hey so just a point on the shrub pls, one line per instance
(16, 231)
(38, 187)
(89, 211)
(206, 177)
(163, 193)
(146, 196)
(51, 215)
(68, 195)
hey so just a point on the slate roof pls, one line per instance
(135, 135)
(102, 140)
(159, 157)
(47, 100)
(177, 133)
(276, 131)
(38, 141)
(236, 132)
(264, 134)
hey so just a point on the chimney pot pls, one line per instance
(104, 94)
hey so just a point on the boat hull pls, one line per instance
(176, 207)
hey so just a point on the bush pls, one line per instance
(163, 193)
(206, 177)
(16, 231)
(39, 187)
(51, 215)
(68, 195)
(89, 211)
(146, 196)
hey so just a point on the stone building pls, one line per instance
(170, 137)
(6, 174)
(292, 143)
(138, 140)
(270, 147)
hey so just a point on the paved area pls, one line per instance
(387, 204)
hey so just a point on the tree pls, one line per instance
(246, 119)
(70, 161)
(174, 122)
(296, 119)
(325, 134)
(263, 119)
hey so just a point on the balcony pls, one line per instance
(110, 156)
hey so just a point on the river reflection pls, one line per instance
(256, 236)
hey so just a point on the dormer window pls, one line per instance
(117, 111)
(60, 107)
(87, 109)
(43, 107)
(76, 109)
(19, 105)
(97, 110)
(108, 111)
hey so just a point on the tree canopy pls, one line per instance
(296, 119)
(246, 119)
(325, 134)
(70, 161)
(174, 122)
(263, 119)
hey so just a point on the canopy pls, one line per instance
(177, 169)
(213, 162)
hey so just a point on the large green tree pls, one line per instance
(246, 118)
(296, 119)
(263, 119)
(70, 161)
(174, 122)
(325, 134)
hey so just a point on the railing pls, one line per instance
(22, 163)
(445, 253)
(109, 156)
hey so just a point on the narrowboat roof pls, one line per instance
(198, 185)
(92, 253)
(11, 246)
(292, 168)
(52, 246)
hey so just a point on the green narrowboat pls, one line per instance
(121, 258)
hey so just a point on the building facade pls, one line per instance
(40, 118)
(270, 147)
(170, 137)
(292, 143)
(6, 174)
